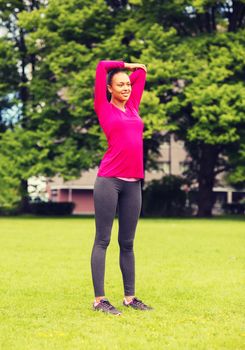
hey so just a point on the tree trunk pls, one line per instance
(24, 203)
(213, 18)
(206, 178)
(24, 95)
(208, 22)
(237, 15)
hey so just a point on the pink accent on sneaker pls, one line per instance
(128, 302)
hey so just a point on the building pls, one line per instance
(79, 191)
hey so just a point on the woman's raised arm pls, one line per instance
(137, 79)
(100, 97)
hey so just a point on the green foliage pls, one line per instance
(60, 107)
(8, 79)
(194, 52)
(18, 155)
(164, 197)
(62, 110)
(236, 156)
(8, 69)
(9, 184)
(199, 82)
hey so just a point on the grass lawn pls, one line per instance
(190, 270)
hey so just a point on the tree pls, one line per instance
(196, 72)
(53, 129)
(14, 94)
(8, 81)
(60, 106)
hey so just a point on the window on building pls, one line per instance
(54, 195)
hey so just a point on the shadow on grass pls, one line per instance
(91, 216)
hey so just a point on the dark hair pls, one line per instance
(110, 75)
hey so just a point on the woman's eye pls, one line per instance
(121, 85)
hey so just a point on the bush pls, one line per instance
(51, 208)
(234, 208)
(164, 197)
(6, 211)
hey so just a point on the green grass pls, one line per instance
(190, 270)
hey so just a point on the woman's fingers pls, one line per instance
(133, 66)
(144, 67)
(138, 65)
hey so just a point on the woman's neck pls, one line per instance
(118, 104)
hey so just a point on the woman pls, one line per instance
(118, 181)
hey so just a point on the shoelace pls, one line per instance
(107, 304)
(139, 302)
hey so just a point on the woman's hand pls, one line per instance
(133, 66)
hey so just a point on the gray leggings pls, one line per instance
(112, 195)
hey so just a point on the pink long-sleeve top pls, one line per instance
(123, 130)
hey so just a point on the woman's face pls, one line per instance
(120, 87)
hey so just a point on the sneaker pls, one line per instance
(105, 306)
(137, 304)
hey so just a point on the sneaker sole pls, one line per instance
(107, 312)
(135, 308)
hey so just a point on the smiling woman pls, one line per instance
(117, 99)
(119, 88)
